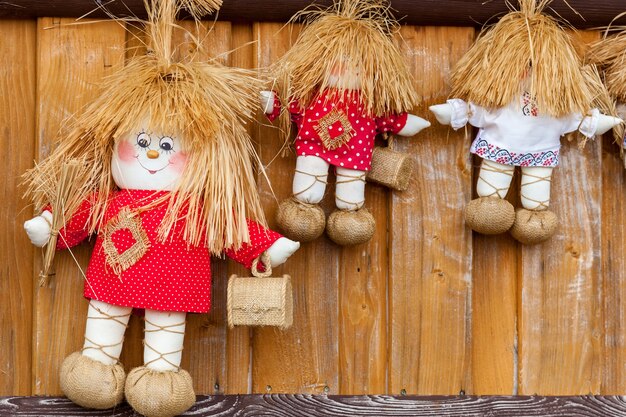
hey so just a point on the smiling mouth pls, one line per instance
(151, 171)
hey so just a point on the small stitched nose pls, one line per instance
(152, 154)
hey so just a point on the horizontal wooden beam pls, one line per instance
(421, 12)
(372, 405)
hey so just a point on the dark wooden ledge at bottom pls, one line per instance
(415, 12)
(338, 405)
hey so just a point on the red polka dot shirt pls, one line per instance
(356, 153)
(171, 275)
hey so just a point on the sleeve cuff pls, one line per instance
(460, 113)
(589, 124)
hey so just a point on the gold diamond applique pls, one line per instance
(334, 129)
(125, 220)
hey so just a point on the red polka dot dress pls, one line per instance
(166, 276)
(337, 129)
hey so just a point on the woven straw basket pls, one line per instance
(260, 300)
(390, 168)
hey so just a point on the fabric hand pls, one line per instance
(282, 249)
(414, 124)
(443, 112)
(38, 229)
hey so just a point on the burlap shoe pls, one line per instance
(346, 228)
(159, 394)
(489, 215)
(532, 226)
(92, 384)
(299, 221)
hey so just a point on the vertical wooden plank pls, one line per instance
(613, 270)
(363, 305)
(17, 124)
(430, 247)
(305, 357)
(494, 307)
(238, 349)
(72, 59)
(560, 344)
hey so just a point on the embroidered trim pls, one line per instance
(494, 153)
(529, 105)
(120, 262)
(327, 123)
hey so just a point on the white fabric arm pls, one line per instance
(281, 250)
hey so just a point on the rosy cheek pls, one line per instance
(178, 162)
(126, 151)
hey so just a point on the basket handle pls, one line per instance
(265, 258)
(390, 139)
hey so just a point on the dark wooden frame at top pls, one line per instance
(579, 13)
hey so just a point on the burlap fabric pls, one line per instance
(92, 384)
(489, 215)
(348, 228)
(159, 394)
(260, 300)
(532, 226)
(300, 221)
(390, 168)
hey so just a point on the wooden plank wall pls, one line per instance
(424, 308)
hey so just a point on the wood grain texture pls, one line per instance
(17, 124)
(238, 347)
(305, 357)
(613, 289)
(363, 305)
(429, 245)
(495, 270)
(72, 59)
(337, 406)
(423, 12)
(560, 328)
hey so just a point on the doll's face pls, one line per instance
(148, 160)
(345, 74)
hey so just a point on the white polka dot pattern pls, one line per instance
(172, 276)
(365, 128)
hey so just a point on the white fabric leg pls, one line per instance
(536, 183)
(494, 179)
(164, 336)
(104, 332)
(350, 189)
(309, 181)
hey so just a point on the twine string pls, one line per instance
(487, 167)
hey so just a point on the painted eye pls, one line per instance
(143, 140)
(166, 143)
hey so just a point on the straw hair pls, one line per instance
(524, 42)
(601, 100)
(206, 103)
(349, 33)
(609, 54)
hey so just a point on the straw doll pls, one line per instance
(522, 84)
(170, 182)
(343, 82)
(610, 55)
